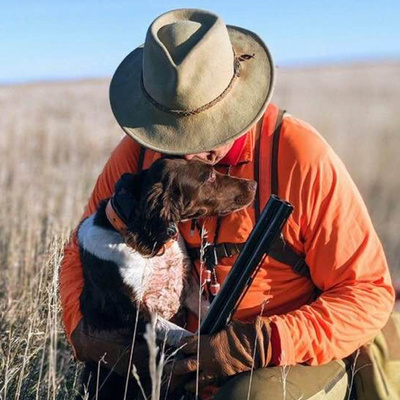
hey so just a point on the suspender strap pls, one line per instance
(262, 158)
(259, 127)
(141, 158)
(282, 251)
(222, 250)
(275, 152)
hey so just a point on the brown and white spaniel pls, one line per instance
(131, 252)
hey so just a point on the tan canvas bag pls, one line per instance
(376, 367)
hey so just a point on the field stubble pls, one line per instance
(54, 140)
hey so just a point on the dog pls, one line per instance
(132, 255)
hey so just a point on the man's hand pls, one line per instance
(239, 347)
(113, 347)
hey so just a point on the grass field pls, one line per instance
(54, 140)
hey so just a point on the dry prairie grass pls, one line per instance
(54, 140)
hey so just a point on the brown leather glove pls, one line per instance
(226, 353)
(113, 347)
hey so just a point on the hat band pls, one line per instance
(187, 113)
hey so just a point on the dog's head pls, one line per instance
(153, 201)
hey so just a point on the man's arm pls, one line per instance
(343, 252)
(123, 159)
(330, 224)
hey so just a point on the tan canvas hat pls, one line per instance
(195, 85)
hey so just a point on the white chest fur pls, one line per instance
(158, 281)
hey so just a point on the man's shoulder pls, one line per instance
(301, 142)
(127, 146)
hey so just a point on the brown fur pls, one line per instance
(174, 190)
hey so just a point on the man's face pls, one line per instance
(210, 157)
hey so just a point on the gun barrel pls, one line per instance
(257, 246)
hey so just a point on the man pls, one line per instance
(199, 89)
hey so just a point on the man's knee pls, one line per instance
(329, 381)
(265, 384)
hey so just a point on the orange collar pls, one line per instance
(120, 226)
(233, 155)
(115, 220)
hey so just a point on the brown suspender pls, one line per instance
(281, 250)
(141, 158)
(257, 166)
(275, 152)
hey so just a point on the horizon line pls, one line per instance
(293, 65)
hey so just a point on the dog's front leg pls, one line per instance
(172, 333)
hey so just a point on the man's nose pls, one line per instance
(198, 156)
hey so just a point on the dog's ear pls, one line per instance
(162, 204)
(152, 203)
(127, 194)
(171, 207)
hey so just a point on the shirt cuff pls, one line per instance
(275, 346)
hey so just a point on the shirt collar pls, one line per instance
(241, 151)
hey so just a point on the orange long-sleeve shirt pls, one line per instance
(330, 225)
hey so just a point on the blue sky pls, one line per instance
(72, 39)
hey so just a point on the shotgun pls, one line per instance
(242, 273)
(247, 264)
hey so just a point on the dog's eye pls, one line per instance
(212, 177)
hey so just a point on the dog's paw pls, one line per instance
(170, 332)
(175, 337)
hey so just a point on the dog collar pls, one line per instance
(120, 226)
(115, 220)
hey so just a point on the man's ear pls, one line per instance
(127, 195)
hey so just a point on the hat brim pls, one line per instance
(225, 121)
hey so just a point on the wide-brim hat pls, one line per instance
(195, 85)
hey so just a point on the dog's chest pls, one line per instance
(164, 282)
(158, 282)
